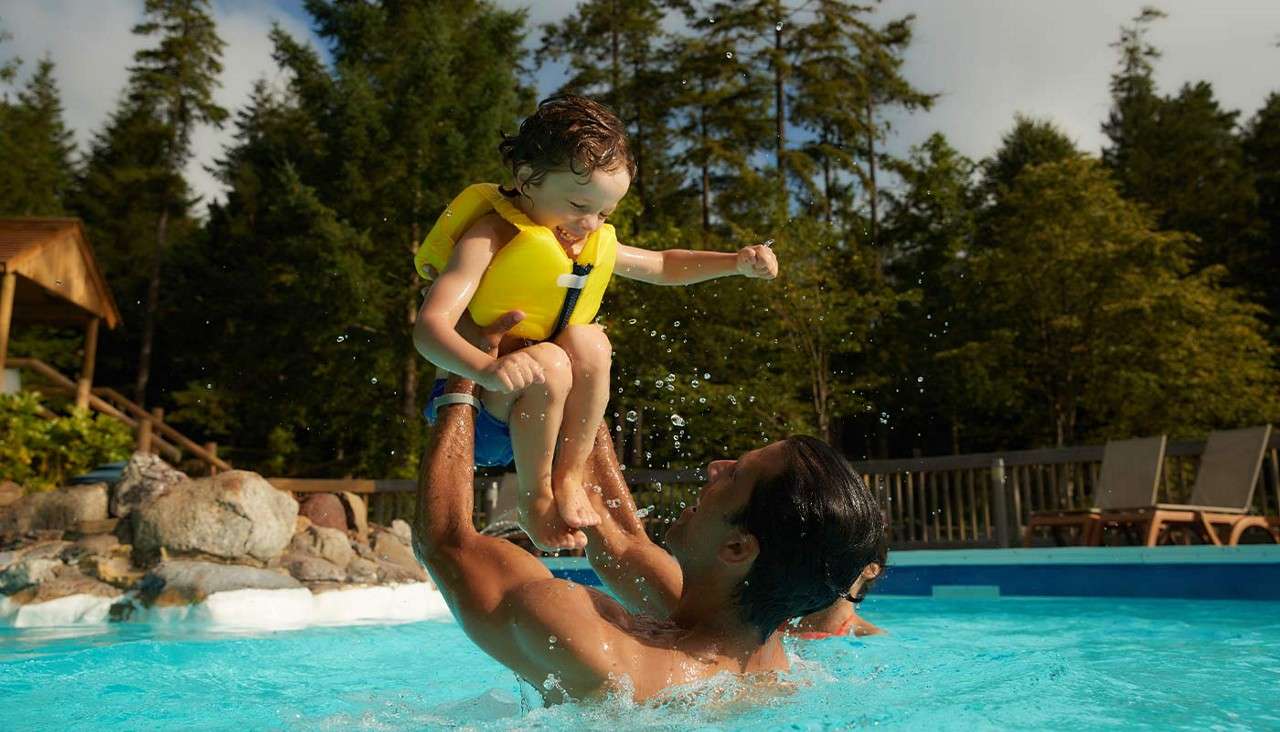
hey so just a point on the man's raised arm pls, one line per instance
(640, 573)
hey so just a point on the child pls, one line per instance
(543, 248)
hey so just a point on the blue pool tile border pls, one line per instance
(1177, 572)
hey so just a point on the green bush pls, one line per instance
(41, 453)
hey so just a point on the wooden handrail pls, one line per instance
(95, 402)
(164, 429)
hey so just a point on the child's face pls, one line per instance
(573, 206)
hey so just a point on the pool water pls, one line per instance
(948, 664)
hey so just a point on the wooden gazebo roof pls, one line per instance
(58, 279)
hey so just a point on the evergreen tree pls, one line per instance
(1180, 156)
(1097, 324)
(1262, 156)
(35, 149)
(174, 81)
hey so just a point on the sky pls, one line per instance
(988, 59)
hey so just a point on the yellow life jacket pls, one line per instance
(531, 273)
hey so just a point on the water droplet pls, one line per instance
(374, 380)
(695, 383)
(551, 639)
(632, 416)
(778, 26)
(631, 321)
(641, 513)
(728, 54)
(706, 376)
(677, 420)
(341, 338)
(733, 399)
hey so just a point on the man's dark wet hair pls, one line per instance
(817, 526)
(567, 132)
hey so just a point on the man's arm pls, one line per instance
(504, 598)
(640, 573)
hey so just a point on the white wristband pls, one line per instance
(454, 397)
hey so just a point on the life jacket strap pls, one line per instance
(574, 284)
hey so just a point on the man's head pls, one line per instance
(789, 526)
(571, 164)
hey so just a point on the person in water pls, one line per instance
(780, 532)
(542, 247)
(841, 617)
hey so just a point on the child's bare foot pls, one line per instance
(541, 520)
(571, 499)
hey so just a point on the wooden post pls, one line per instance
(7, 289)
(90, 357)
(212, 448)
(1000, 494)
(144, 435)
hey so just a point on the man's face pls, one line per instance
(573, 206)
(696, 537)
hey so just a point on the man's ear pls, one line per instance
(740, 549)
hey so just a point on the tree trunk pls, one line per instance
(872, 188)
(153, 306)
(409, 407)
(780, 102)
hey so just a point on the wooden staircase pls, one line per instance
(153, 434)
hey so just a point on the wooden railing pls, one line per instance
(151, 431)
(976, 500)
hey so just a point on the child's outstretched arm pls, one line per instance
(687, 266)
(435, 333)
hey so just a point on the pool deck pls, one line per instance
(1169, 572)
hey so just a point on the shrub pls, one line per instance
(43, 452)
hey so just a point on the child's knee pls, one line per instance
(589, 350)
(556, 367)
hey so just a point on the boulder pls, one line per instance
(10, 493)
(310, 568)
(183, 583)
(26, 572)
(390, 573)
(389, 549)
(357, 514)
(112, 567)
(146, 477)
(98, 543)
(301, 524)
(363, 571)
(67, 581)
(324, 509)
(400, 529)
(60, 510)
(331, 545)
(233, 515)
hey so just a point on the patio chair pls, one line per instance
(1220, 498)
(1130, 477)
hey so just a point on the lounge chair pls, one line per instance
(1220, 498)
(1130, 477)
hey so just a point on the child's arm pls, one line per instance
(435, 333)
(687, 266)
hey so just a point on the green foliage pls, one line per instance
(40, 450)
(35, 149)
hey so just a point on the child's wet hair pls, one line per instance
(570, 133)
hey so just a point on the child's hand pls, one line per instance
(757, 261)
(512, 372)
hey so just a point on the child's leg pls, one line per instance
(590, 355)
(534, 417)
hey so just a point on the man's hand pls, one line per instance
(758, 262)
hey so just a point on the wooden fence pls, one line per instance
(958, 501)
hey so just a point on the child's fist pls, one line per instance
(757, 261)
(513, 372)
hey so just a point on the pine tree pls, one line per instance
(35, 149)
(175, 81)
(1262, 156)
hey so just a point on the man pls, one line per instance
(778, 533)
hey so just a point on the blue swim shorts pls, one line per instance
(493, 438)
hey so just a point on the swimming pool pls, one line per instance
(948, 664)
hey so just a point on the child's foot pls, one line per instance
(571, 499)
(541, 520)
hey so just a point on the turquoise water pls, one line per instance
(959, 664)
